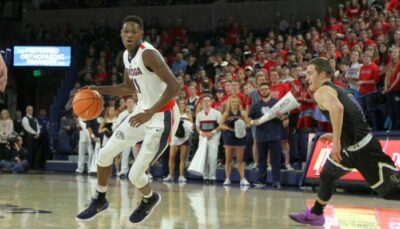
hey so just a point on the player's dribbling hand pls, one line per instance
(335, 152)
(140, 118)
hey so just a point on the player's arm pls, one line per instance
(327, 99)
(155, 63)
(122, 89)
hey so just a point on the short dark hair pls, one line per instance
(135, 19)
(322, 65)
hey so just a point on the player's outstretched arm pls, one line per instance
(122, 89)
(155, 63)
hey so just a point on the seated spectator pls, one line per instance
(179, 64)
(6, 129)
(15, 158)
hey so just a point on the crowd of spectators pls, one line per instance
(361, 41)
(79, 4)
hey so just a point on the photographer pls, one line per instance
(15, 157)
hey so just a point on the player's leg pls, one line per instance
(378, 170)
(331, 172)
(123, 137)
(158, 132)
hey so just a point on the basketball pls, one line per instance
(87, 104)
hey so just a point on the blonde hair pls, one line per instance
(107, 116)
(391, 67)
(228, 105)
(5, 111)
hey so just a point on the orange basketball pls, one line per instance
(87, 104)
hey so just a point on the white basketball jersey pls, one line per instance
(149, 87)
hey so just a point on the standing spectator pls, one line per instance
(207, 125)
(193, 99)
(43, 142)
(369, 76)
(268, 137)
(392, 87)
(18, 128)
(232, 142)
(31, 135)
(180, 143)
(353, 71)
(15, 160)
(85, 146)
(253, 98)
(6, 129)
(218, 103)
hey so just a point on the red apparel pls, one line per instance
(352, 12)
(369, 72)
(393, 77)
(279, 90)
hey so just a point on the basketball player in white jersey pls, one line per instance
(153, 121)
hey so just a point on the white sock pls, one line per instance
(148, 195)
(101, 188)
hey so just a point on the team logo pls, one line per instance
(395, 178)
(134, 71)
(120, 135)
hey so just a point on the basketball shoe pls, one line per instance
(307, 217)
(95, 206)
(145, 208)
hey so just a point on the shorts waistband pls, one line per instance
(359, 145)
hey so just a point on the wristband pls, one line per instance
(214, 131)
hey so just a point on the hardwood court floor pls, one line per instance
(52, 201)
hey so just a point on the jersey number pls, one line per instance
(136, 86)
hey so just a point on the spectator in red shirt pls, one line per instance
(218, 103)
(369, 76)
(277, 89)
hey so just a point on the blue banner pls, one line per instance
(42, 56)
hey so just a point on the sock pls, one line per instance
(148, 195)
(101, 192)
(101, 188)
(318, 208)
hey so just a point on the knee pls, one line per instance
(104, 159)
(138, 180)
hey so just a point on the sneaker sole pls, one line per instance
(144, 219)
(307, 223)
(108, 209)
